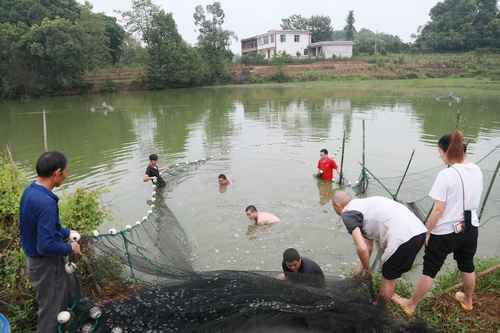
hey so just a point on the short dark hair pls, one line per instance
(291, 255)
(223, 176)
(251, 208)
(324, 151)
(153, 157)
(49, 162)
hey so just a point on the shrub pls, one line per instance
(82, 210)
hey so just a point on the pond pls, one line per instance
(266, 139)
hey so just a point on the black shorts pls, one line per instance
(463, 245)
(402, 260)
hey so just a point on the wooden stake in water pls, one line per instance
(458, 118)
(363, 158)
(341, 180)
(45, 132)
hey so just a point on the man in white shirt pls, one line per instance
(400, 234)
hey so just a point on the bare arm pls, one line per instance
(147, 178)
(364, 248)
(437, 211)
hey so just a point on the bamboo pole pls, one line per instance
(45, 131)
(404, 175)
(363, 145)
(458, 118)
(11, 159)
(488, 191)
(342, 161)
(488, 271)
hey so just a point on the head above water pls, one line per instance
(291, 254)
(340, 200)
(292, 259)
(252, 213)
(49, 162)
(453, 147)
(222, 179)
(250, 208)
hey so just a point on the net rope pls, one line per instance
(146, 282)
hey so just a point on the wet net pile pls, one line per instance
(160, 292)
(143, 280)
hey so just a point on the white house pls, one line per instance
(295, 43)
(328, 49)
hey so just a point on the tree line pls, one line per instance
(51, 47)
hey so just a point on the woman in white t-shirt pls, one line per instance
(453, 222)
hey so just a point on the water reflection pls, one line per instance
(326, 192)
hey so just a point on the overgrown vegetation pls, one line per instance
(81, 210)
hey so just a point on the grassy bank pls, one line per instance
(444, 314)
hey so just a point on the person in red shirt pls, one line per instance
(326, 165)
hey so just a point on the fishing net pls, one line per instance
(362, 183)
(143, 281)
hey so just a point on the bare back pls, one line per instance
(266, 218)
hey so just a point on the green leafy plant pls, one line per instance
(82, 210)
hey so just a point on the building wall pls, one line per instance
(271, 43)
(340, 51)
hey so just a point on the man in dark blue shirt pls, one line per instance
(42, 239)
(301, 269)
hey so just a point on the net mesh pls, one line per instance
(144, 281)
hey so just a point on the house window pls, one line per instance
(296, 38)
(283, 38)
(260, 41)
(306, 52)
(266, 39)
(272, 39)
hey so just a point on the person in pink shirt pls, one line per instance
(223, 180)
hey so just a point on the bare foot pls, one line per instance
(402, 302)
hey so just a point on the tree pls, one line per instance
(34, 11)
(17, 74)
(213, 40)
(320, 26)
(294, 22)
(116, 35)
(460, 26)
(96, 41)
(132, 52)
(138, 19)
(57, 58)
(212, 35)
(349, 28)
(172, 63)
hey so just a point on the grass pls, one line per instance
(442, 312)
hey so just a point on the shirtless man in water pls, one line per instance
(260, 218)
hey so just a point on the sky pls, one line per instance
(248, 18)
